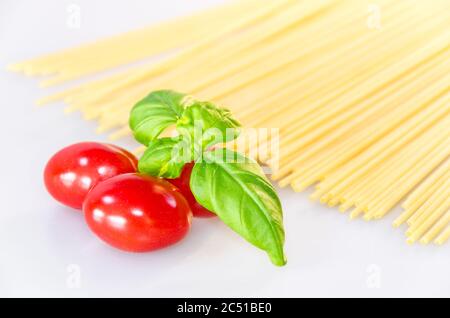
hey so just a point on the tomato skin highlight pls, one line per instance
(73, 171)
(137, 213)
(182, 183)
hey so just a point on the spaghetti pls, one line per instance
(363, 113)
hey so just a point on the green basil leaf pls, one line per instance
(207, 124)
(156, 112)
(240, 194)
(165, 157)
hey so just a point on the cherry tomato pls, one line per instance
(182, 183)
(73, 171)
(137, 213)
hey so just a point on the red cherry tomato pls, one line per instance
(182, 183)
(137, 213)
(73, 171)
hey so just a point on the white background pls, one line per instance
(40, 239)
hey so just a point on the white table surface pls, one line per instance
(46, 249)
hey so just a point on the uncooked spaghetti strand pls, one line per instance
(411, 214)
(412, 218)
(443, 237)
(415, 216)
(430, 221)
(437, 228)
(413, 200)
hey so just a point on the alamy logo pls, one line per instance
(374, 18)
(73, 16)
(74, 276)
(373, 280)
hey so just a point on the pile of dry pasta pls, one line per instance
(360, 92)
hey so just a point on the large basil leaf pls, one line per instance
(153, 114)
(165, 157)
(209, 123)
(239, 193)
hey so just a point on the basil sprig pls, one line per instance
(225, 182)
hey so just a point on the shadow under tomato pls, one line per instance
(75, 242)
